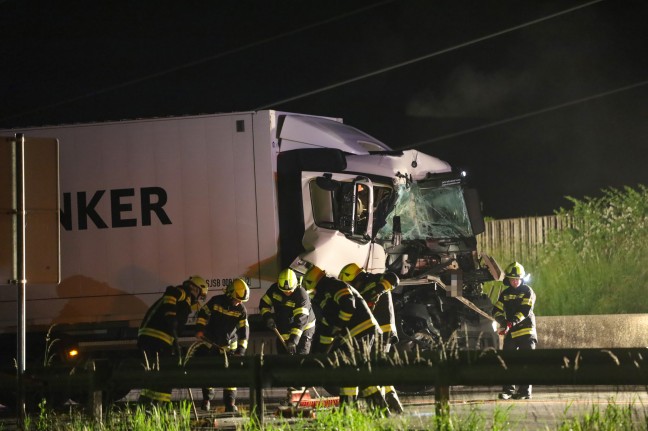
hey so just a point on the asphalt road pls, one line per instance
(549, 407)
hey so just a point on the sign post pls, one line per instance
(29, 227)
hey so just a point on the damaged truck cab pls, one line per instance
(400, 211)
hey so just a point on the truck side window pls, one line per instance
(345, 208)
(322, 203)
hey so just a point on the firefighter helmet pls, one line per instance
(515, 270)
(391, 278)
(349, 272)
(287, 280)
(312, 277)
(238, 290)
(200, 283)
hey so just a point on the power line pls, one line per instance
(200, 61)
(428, 56)
(527, 115)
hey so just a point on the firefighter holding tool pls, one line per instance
(222, 324)
(514, 313)
(158, 333)
(286, 309)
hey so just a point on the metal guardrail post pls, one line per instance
(95, 398)
(257, 405)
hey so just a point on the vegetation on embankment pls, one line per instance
(600, 264)
(178, 417)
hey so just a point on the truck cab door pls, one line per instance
(343, 203)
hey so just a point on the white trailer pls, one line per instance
(146, 203)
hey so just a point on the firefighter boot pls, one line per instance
(229, 400)
(393, 401)
(348, 396)
(377, 401)
(375, 398)
(208, 394)
(347, 401)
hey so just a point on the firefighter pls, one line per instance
(222, 325)
(514, 313)
(286, 308)
(158, 334)
(344, 313)
(376, 290)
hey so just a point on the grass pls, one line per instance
(614, 417)
(178, 417)
(172, 417)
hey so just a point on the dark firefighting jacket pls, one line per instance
(342, 309)
(377, 292)
(515, 305)
(168, 315)
(293, 314)
(224, 324)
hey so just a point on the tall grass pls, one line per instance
(600, 264)
(171, 417)
(614, 417)
(628, 417)
(597, 266)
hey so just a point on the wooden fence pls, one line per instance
(519, 238)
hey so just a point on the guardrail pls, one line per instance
(622, 366)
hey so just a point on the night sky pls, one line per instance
(536, 100)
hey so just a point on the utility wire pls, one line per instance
(200, 61)
(526, 115)
(428, 56)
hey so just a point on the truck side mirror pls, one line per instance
(473, 205)
(326, 182)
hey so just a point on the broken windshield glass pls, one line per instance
(429, 212)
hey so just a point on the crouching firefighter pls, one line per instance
(158, 334)
(376, 290)
(286, 309)
(346, 323)
(222, 325)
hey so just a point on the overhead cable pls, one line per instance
(526, 115)
(199, 61)
(427, 56)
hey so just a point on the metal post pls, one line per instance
(95, 395)
(21, 275)
(257, 406)
(442, 399)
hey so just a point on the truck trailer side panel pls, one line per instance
(146, 203)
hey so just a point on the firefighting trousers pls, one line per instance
(518, 343)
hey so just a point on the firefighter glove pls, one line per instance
(505, 328)
(270, 323)
(291, 348)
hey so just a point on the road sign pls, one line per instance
(41, 206)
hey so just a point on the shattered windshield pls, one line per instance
(429, 212)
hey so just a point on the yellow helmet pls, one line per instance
(287, 280)
(312, 277)
(515, 270)
(349, 272)
(199, 282)
(238, 290)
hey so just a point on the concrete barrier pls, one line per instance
(592, 331)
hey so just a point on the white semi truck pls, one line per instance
(147, 203)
